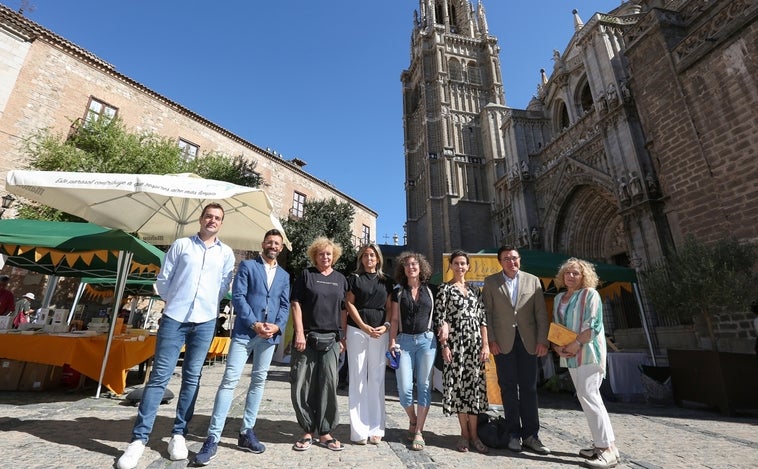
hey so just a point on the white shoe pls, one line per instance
(590, 452)
(603, 459)
(177, 448)
(131, 455)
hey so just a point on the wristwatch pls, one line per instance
(444, 345)
(387, 325)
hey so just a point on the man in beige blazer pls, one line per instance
(517, 324)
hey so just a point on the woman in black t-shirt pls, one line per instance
(367, 303)
(316, 300)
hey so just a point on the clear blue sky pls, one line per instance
(313, 79)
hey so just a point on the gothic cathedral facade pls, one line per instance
(584, 169)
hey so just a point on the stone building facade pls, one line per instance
(49, 82)
(642, 133)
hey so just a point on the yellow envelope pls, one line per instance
(560, 335)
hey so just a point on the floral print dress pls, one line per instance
(464, 379)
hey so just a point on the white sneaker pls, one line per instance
(603, 459)
(590, 452)
(131, 455)
(177, 448)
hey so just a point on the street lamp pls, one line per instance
(8, 200)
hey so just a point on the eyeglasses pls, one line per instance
(411, 264)
(509, 259)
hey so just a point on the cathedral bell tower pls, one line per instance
(450, 89)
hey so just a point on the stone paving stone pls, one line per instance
(58, 429)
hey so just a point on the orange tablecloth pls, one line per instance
(219, 346)
(84, 354)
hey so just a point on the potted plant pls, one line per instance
(702, 280)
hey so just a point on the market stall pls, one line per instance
(80, 250)
(82, 353)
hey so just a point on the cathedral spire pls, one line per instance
(482, 19)
(578, 23)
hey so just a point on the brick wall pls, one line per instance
(697, 94)
(735, 332)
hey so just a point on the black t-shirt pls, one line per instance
(370, 297)
(414, 315)
(321, 298)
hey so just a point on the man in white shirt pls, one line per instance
(195, 276)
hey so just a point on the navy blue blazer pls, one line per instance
(254, 302)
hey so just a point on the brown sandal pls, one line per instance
(462, 445)
(481, 447)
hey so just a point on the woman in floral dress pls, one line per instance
(465, 350)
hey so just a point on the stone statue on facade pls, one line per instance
(601, 104)
(557, 59)
(651, 183)
(612, 94)
(635, 185)
(618, 235)
(623, 190)
(524, 169)
(626, 93)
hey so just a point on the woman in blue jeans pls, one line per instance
(411, 330)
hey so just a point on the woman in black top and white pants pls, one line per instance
(367, 303)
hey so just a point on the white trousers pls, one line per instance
(367, 365)
(587, 380)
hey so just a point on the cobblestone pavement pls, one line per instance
(60, 429)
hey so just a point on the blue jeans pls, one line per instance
(417, 358)
(239, 351)
(172, 336)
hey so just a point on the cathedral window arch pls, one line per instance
(474, 74)
(583, 97)
(561, 117)
(439, 16)
(455, 70)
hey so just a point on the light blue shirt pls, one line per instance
(512, 285)
(194, 278)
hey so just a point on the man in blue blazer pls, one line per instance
(517, 325)
(260, 296)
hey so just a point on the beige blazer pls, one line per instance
(530, 314)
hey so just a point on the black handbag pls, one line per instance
(492, 431)
(321, 341)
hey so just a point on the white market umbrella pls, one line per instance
(158, 208)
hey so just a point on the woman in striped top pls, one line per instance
(580, 309)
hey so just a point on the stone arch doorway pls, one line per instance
(588, 226)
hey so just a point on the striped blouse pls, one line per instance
(583, 311)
